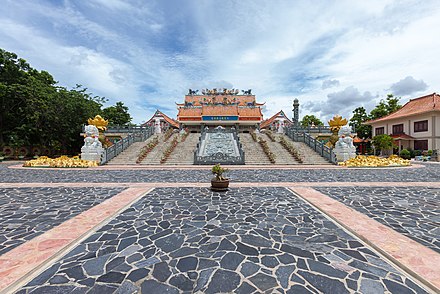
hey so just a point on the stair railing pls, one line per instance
(316, 145)
(139, 134)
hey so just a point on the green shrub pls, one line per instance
(429, 152)
(405, 154)
(417, 152)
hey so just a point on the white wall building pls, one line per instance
(415, 126)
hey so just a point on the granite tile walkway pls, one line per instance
(28, 212)
(245, 240)
(159, 230)
(411, 211)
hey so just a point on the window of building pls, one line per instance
(379, 131)
(421, 126)
(397, 129)
(421, 145)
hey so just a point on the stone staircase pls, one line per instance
(253, 153)
(153, 158)
(282, 156)
(130, 155)
(308, 155)
(184, 152)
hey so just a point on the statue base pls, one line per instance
(92, 154)
(343, 154)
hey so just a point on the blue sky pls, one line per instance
(331, 55)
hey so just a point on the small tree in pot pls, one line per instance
(219, 182)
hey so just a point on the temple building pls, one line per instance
(161, 122)
(226, 107)
(277, 122)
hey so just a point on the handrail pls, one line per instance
(316, 145)
(117, 148)
(123, 129)
(310, 129)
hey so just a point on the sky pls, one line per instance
(333, 56)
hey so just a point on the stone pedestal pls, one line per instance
(343, 154)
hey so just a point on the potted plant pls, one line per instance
(219, 182)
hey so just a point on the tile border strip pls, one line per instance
(417, 260)
(25, 262)
(208, 167)
(232, 184)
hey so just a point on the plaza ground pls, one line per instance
(320, 229)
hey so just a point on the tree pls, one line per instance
(356, 122)
(383, 142)
(310, 120)
(117, 114)
(385, 107)
(34, 111)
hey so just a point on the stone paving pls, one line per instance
(28, 212)
(263, 240)
(428, 173)
(411, 211)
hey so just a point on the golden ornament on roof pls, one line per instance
(98, 122)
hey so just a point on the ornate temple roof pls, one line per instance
(160, 114)
(269, 121)
(415, 106)
(217, 103)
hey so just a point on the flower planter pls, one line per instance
(219, 185)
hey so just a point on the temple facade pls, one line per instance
(220, 107)
(226, 107)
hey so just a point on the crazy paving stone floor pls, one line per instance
(247, 240)
(428, 172)
(411, 211)
(28, 212)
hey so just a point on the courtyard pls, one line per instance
(320, 229)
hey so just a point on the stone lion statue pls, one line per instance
(345, 140)
(92, 136)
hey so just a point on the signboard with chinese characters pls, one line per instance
(219, 117)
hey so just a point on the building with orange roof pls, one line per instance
(161, 122)
(414, 126)
(225, 107)
(277, 122)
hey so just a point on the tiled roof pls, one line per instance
(220, 110)
(250, 112)
(402, 137)
(169, 120)
(415, 106)
(270, 120)
(188, 112)
(242, 100)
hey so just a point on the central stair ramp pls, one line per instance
(219, 145)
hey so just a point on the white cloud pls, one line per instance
(149, 53)
(329, 84)
(408, 86)
(342, 103)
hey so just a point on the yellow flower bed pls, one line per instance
(375, 161)
(62, 161)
